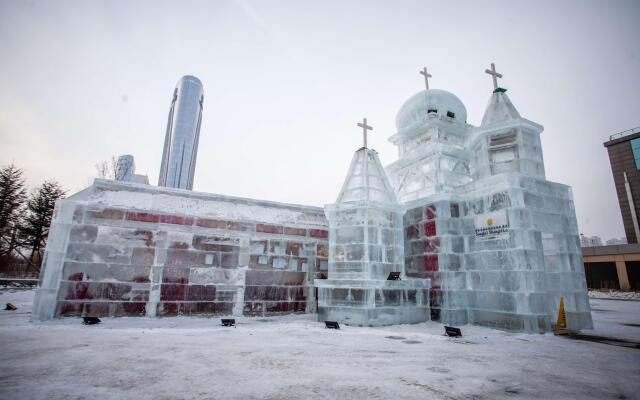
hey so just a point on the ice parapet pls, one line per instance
(365, 246)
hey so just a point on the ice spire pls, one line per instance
(499, 109)
(366, 180)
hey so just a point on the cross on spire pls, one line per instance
(426, 77)
(365, 128)
(494, 75)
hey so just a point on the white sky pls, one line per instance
(286, 81)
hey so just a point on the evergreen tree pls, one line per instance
(12, 197)
(35, 226)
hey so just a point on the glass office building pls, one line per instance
(183, 132)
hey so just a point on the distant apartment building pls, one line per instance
(590, 241)
(126, 170)
(616, 241)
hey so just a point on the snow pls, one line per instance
(612, 315)
(176, 201)
(614, 294)
(295, 357)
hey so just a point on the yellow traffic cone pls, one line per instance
(561, 323)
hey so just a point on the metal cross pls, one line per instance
(426, 77)
(494, 75)
(365, 128)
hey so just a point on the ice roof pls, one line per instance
(499, 109)
(366, 181)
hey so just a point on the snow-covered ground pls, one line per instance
(294, 357)
(614, 294)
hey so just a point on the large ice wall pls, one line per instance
(126, 249)
(499, 242)
(365, 246)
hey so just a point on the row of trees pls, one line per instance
(24, 221)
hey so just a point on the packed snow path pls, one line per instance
(294, 357)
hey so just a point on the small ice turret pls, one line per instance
(366, 245)
(505, 142)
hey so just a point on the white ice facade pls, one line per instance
(499, 242)
(365, 246)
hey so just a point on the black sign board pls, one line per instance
(90, 320)
(331, 324)
(451, 331)
(393, 276)
(228, 322)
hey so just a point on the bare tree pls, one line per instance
(108, 169)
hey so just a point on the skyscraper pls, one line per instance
(125, 168)
(624, 155)
(183, 132)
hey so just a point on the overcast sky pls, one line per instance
(286, 81)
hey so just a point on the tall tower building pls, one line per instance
(125, 168)
(183, 132)
(624, 155)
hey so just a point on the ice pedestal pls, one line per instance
(366, 244)
(373, 302)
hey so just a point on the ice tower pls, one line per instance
(365, 246)
(498, 241)
(432, 129)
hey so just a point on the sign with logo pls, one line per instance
(491, 226)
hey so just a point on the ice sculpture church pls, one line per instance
(465, 218)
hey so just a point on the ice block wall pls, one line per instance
(121, 249)
(434, 249)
